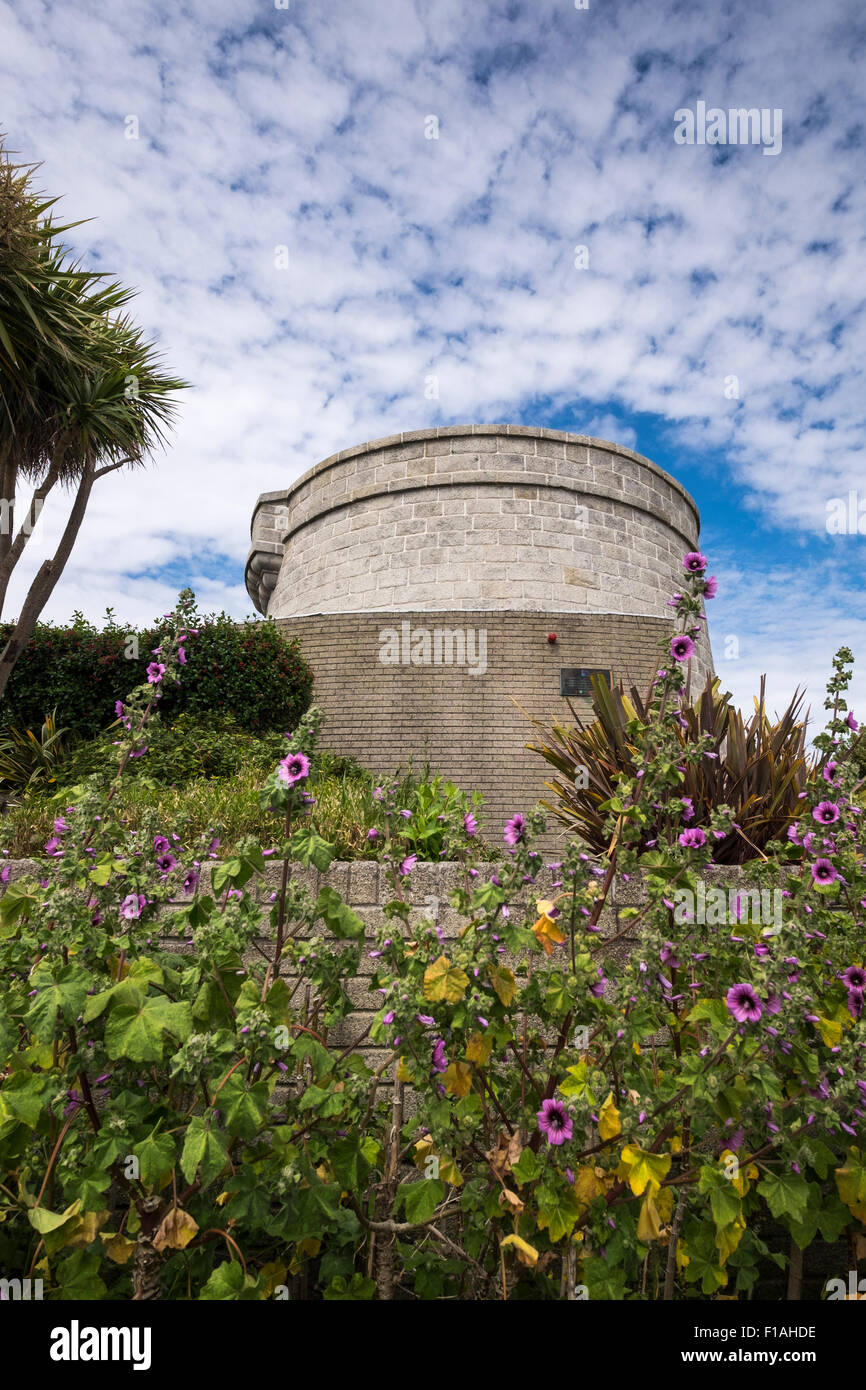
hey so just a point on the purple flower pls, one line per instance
(711, 586)
(408, 865)
(855, 1003)
(425, 1019)
(133, 906)
(682, 647)
(438, 1059)
(826, 812)
(855, 977)
(388, 1017)
(181, 656)
(294, 768)
(694, 562)
(155, 672)
(166, 862)
(191, 881)
(823, 871)
(160, 844)
(60, 825)
(744, 1003)
(554, 1121)
(693, 838)
(118, 708)
(470, 824)
(373, 834)
(852, 722)
(515, 829)
(830, 772)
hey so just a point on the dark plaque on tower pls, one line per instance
(575, 680)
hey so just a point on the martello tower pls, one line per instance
(425, 574)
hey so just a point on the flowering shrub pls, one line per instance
(248, 670)
(552, 1116)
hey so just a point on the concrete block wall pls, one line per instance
(365, 886)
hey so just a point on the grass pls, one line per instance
(225, 806)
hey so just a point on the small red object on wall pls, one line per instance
(551, 637)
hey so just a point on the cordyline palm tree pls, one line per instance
(81, 392)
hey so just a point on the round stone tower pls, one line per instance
(433, 575)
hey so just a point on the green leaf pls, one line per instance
(156, 1157)
(309, 848)
(358, 1289)
(8, 1035)
(527, 1167)
(204, 1148)
(64, 991)
(139, 1032)
(226, 1282)
(243, 1110)
(21, 1098)
(78, 1277)
(421, 1199)
(785, 1194)
(345, 924)
(558, 1209)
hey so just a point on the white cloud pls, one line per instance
(306, 127)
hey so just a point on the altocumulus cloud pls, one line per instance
(411, 258)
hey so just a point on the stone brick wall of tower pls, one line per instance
(514, 531)
(467, 725)
(474, 518)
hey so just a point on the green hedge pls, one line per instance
(246, 670)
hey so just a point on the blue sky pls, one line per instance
(306, 128)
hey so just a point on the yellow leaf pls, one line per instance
(526, 1254)
(310, 1245)
(478, 1049)
(176, 1230)
(86, 1229)
(449, 1172)
(457, 1079)
(423, 1149)
(676, 1143)
(274, 1274)
(729, 1237)
(587, 1185)
(649, 1222)
(118, 1247)
(664, 1201)
(444, 982)
(223, 1198)
(503, 982)
(683, 1258)
(608, 1120)
(644, 1169)
(547, 933)
(830, 1031)
(403, 1072)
